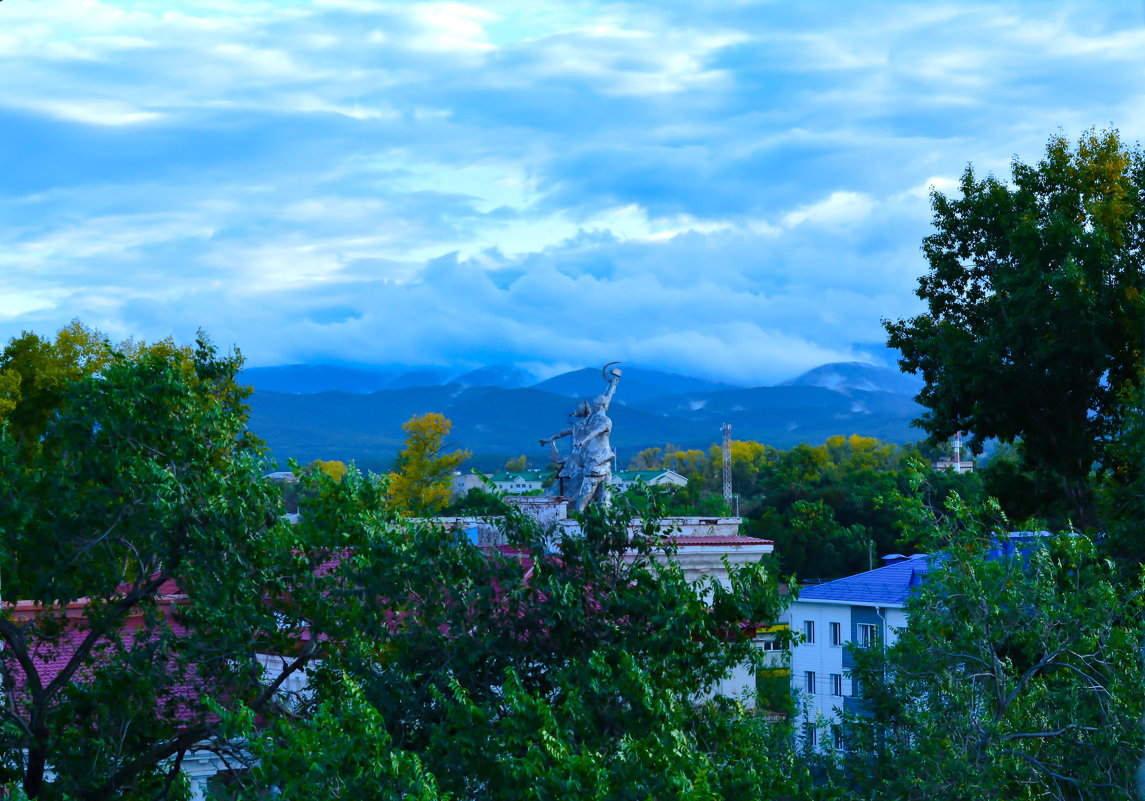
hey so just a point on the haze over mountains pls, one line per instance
(355, 414)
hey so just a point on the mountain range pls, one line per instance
(350, 414)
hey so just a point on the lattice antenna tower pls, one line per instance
(727, 430)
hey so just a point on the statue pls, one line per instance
(585, 475)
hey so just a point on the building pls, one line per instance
(520, 482)
(828, 619)
(460, 483)
(865, 609)
(524, 482)
(950, 464)
(624, 479)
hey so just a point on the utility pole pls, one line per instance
(727, 431)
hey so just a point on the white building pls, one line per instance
(623, 479)
(830, 618)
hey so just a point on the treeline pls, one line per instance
(162, 612)
(169, 612)
(832, 509)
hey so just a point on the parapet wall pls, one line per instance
(552, 513)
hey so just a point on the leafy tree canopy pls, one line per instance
(149, 559)
(35, 372)
(1016, 677)
(1035, 320)
(575, 671)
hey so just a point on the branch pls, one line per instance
(180, 743)
(1037, 763)
(119, 608)
(13, 636)
(1063, 730)
(304, 657)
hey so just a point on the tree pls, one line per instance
(834, 509)
(335, 469)
(1035, 316)
(1016, 677)
(151, 568)
(36, 372)
(577, 671)
(421, 484)
(517, 464)
(1121, 493)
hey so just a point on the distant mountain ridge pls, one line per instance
(844, 376)
(652, 408)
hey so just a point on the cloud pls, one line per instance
(733, 189)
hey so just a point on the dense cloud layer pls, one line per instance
(733, 189)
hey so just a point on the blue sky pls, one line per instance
(736, 189)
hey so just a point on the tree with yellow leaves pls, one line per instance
(35, 372)
(420, 485)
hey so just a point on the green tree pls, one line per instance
(1035, 316)
(1016, 677)
(146, 556)
(35, 372)
(834, 509)
(577, 671)
(1121, 493)
(421, 484)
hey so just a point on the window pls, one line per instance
(836, 633)
(856, 688)
(836, 684)
(809, 679)
(770, 645)
(812, 736)
(868, 634)
(839, 744)
(809, 631)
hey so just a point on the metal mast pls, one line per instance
(727, 430)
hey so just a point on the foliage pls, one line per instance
(1036, 317)
(477, 502)
(523, 672)
(1121, 492)
(832, 509)
(1031, 497)
(1017, 677)
(517, 464)
(144, 548)
(35, 373)
(421, 484)
(335, 469)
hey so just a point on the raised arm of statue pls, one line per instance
(604, 399)
(566, 433)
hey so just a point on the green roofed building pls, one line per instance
(623, 479)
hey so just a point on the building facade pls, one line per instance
(830, 620)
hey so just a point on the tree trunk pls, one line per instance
(34, 773)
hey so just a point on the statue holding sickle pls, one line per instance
(585, 476)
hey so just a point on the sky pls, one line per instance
(730, 189)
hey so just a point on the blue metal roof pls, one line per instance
(890, 585)
(883, 586)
